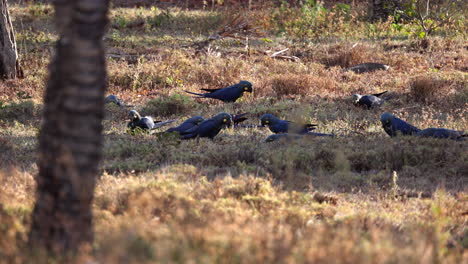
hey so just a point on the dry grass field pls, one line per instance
(361, 197)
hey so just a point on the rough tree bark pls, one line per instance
(10, 67)
(70, 139)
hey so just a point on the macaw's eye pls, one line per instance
(225, 120)
(267, 122)
(246, 88)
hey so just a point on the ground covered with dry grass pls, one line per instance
(359, 198)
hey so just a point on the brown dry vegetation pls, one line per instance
(359, 198)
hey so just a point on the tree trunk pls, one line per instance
(9, 62)
(70, 140)
(381, 9)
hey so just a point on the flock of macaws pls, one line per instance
(197, 126)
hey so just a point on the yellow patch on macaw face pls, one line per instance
(267, 122)
(246, 88)
(224, 120)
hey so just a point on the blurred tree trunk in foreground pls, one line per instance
(10, 67)
(70, 140)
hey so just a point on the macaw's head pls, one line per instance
(268, 119)
(134, 115)
(196, 120)
(246, 86)
(386, 118)
(223, 118)
(356, 98)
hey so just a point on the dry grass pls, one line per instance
(287, 85)
(345, 56)
(176, 215)
(425, 88)
(235, 199)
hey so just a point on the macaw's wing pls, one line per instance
(145, 123)
(404, 127)
(206, 127)
(190, 133)
(379, 94)
(160, 124)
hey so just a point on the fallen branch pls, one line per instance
(278, 55)
(278, 52)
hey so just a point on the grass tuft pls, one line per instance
(164, 106)
(428, 88)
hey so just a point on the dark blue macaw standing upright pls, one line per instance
(227, 94)
(208, 128)
(369, 100)
(145, 123)
(277, 125)
(394, 126)
(442, 133)
(187, 124)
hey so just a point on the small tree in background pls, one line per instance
(10, 67)
(432, 14)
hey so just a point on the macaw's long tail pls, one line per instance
(247, 126)
(320, 134)
(160, 124)
(199, 94)
(379, 94)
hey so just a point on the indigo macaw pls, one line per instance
(277, 125)
(394, 126)
(208, 128)
(145, 123)
(369, 100)
(113, 99)
(227, 94)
